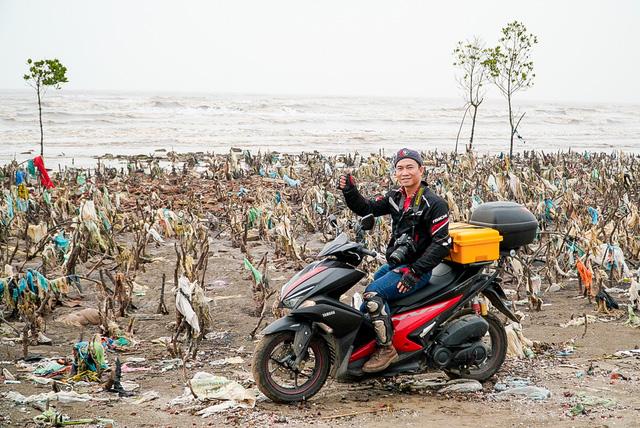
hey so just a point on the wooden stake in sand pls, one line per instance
(162, 308)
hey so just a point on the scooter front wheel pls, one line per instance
(275, 375)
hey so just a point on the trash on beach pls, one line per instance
(228, 360)
(290, 181)
(461, 386)
(511, 382)
(634, 320)
(421, 384)
(52, 417)
(207, 386)
(128, 369)
(61, 396)
(530, 392)
(171, 364)
(81, 318)
(183, 304)
(37, 232)
(518, 345)
(221, 407)
(566, 351)
(89, 356)
(42, 339)
(7, 375)
(627, 354)
(49, 368)
(580, 320)
(585, 403)
(145, 397)
(634, 294)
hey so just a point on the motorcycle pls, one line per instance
(438, 327)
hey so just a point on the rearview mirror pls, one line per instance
(367, 222)
(333, 221)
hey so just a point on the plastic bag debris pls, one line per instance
(290, 181)
(48, 368)
(461, 386)
(154, 234)
(589, 401)
(37, 232)
(88, 211)
(634, 294)
(228, 360)
(627, 354)
(171, 364)
(221, 407)
(517, 344)
(511, 382)
(208, 386)
(185, 288)
(578, 321)
(146, 397)
(62, 396)
(52, 417)
(81, 318)
(43, 340)
(8, 375)
(89, 355)
(611, 257)
(530, 392)
(634, 320)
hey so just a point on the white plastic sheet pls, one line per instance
(183, 295)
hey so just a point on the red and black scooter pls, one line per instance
(435, 328)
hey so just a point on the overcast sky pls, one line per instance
(587, 51)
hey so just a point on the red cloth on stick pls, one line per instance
(44, 177)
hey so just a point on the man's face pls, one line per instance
(408, 172)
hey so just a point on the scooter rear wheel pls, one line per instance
(497, 353)
(276, 378)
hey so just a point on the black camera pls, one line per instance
(404, 247)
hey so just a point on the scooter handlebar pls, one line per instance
(368, 252)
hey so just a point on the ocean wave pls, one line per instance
(134, 123)
(166, 104)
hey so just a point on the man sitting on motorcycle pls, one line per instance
(419, 241)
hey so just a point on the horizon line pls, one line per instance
(300, 94)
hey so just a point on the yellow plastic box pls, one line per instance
(473, 244)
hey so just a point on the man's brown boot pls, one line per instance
(382, 358)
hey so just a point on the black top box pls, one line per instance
(515, 222)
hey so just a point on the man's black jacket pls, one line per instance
(426, 221)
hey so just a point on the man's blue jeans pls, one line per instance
(385, 285)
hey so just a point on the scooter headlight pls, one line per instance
(294, 301)
(306, 304)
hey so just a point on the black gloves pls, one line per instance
(408, 281)
(346, 183)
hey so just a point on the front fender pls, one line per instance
(287, 323)
(303, 334)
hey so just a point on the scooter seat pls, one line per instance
(442, 276)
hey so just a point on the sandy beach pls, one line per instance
(225, 209)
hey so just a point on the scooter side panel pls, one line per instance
(404, 324)
(342, 320)
(287, 323)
